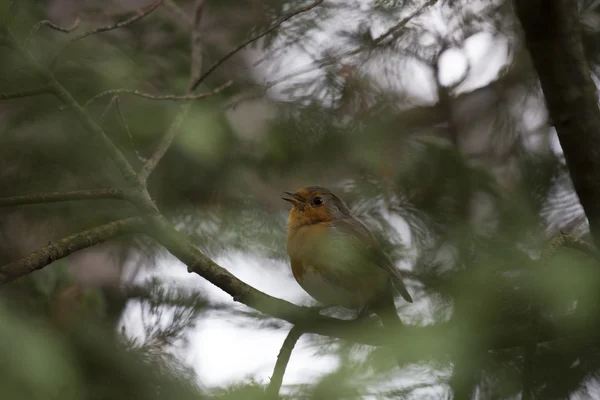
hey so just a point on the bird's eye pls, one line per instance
(317, 201)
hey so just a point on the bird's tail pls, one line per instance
(401, 288)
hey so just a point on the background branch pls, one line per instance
(62, 248)
(51, 25)
(25, 93)
(117, 25)
(195, 69)
(115, 102)
(138, 93)
(241, 46)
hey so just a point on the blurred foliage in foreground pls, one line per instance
(457, 177)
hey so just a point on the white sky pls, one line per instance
(221, 351)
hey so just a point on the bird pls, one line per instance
(336, 259)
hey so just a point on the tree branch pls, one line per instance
(138, 93)
(164, 144)
(63, 94)
(227, 56)
(559, 59)
(51, 25)
(26, 93)
(10, 13)
(282, 361)
(55, 251)
(179, 12)
(117, 25)
(197, 48)
(195, 69)
(63, 196)
(117, 104)
(331, 60)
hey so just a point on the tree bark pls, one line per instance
(553, 37)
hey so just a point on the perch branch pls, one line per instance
(68, 245)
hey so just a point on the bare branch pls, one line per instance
(113, 14)
(395, 30)
(251, 40)
(63, 196)
(179, 12)
(105, 28)
(282, 361)
(134, 92)
(114, 153)
(51, 25)
(10, 13)
(117, 104)
(196, 65)
(164, 143)
(26, 93)
(195, 69)
(62, 248)
(127, 171)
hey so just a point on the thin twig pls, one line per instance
(113, 14)
(138, 93)
(68, 245)
(168, 138)
(10, 13)
(164, 144)
(115, 101)
(62, 196)
(282, 361)
(197, 48)
(394, 30)
(110, 105)
(195, 69)
(26, 93)
(105, 28)
(251, 40)
(51, 25)
(65, 96)
(179, 12)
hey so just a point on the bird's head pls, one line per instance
(313, 205)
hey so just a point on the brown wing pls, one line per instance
(366, 250)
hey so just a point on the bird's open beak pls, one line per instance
(294, 198)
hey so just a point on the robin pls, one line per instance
(336, 259)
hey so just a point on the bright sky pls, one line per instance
(224, 352)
